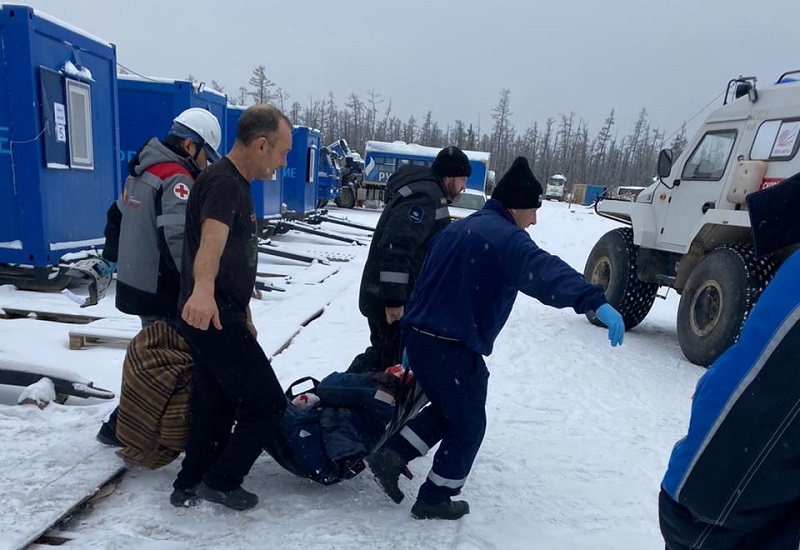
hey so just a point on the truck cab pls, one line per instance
(556, 187)
(690, 229)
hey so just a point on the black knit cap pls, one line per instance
(519, 188)
(451, 161)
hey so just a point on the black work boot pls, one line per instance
(386, 466)
(236, 499)
(184, 498)
(450, 509)
(108, 434)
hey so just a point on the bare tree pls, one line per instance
(295, 114)
(374, 100)
(356, 108)
(281, 96)
(501, 115)
(410, 130)
(561, 144)
(261, 86)
(679, 142)
(243, 96)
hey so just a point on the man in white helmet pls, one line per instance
(144, 229)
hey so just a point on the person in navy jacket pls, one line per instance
(463, 297)
(734, 480)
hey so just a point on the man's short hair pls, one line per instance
(258, 121)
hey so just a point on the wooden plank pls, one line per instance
(109, 329)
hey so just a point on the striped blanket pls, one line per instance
(153, 421)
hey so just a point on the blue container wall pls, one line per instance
(148, 107)
(47, 212)
(329, 184)
(301, 173)
(477, 180)
(592, 192)
(266, 195)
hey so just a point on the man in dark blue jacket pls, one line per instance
(463, 297)
(734, 480)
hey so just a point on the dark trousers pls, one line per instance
(455, 380)
(385, 347)
(232, 380)
(775, 529)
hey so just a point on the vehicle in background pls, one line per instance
(466, 203)
(555, 188)
(351, 172)
(627, 192)
(383, 159)
(690, 230)
(329, 180)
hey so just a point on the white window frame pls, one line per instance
(312, 159)
(80, 88)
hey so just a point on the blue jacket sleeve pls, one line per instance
(546, 277)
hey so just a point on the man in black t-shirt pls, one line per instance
(232, 379)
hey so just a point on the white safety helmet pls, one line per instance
(202, 124)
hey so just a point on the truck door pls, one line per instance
(702, 179)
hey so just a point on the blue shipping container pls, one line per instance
(301, 173)
(267, 195)
(147, 107)
(592, 192)
(58, 137)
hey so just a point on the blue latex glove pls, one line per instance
(106, 268)
(611, 318)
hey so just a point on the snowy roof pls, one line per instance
(73, 28)
(401, 148)
(145, 78)
(211, 90)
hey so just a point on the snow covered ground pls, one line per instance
(578, 438)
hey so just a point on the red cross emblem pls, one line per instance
(181, 191)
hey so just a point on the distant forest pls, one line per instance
(563, 144)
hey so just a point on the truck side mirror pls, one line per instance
(665, 163)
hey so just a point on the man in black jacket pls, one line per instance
(416, 209)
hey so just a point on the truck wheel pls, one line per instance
(347, 198)
(717, 299)
(612, 263)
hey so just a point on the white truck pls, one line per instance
(690, 230)
(556, 187)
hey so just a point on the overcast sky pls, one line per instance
(454, 57)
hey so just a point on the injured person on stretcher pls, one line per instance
(328, 428)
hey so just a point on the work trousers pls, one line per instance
(232, 382)
(455, 380)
